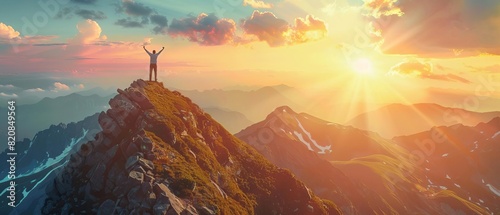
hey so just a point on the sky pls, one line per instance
(373, 51)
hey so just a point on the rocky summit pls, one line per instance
(159, 153)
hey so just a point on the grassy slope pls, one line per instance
(251, 183)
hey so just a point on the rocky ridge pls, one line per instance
(158, 153)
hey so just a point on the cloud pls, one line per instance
(80, 86)
(89, 32)
(308, 29)
(84, 1)
(35, 90)
(147, 41)
(487, 69)
(64, 13)
(205, 29)
(13, 95)
(130, 7)
(378, 8)
(277, 32)
(129, 23)
(90, 14)
(443, 29)
(161, 23)
(7, 32)
(8, 35)
(267, 27)
(422, 70)
(6, 86)
(256, 4)
(58, 86)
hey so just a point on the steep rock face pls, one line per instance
(371, 174)
(159, 153)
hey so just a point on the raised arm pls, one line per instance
(144, 47)
(161, 50)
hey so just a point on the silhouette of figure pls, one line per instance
(152, 62)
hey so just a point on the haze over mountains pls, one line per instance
(397, 119)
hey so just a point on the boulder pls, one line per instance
(109, 126)
(131, 150)
(142, 83)
(136, 177)
(165, 196)
(146, 164)
(123, 111)
(161, 207)
(131, 161)
(134, 197)
(110, 154)
(138, 97)
(106, 208)
(97, 178)
(146, 145)
(101, 142)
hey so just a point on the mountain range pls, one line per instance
(38, 161)
(155, 151)
(373, 174)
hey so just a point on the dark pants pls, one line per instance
(151, 68)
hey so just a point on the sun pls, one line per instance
(363, 67)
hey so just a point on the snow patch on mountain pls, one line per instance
(322, 149)
(51, 161)
(495, 135)
(493, 189)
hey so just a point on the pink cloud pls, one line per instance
(278, 32)
(58, 86)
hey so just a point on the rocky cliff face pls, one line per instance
(159, 153)
(358, 170)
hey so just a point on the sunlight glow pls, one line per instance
(363, 67)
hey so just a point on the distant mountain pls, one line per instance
(360, 171)
(37, 160)
(262, 100)
(484, 99)
(398, 119)
(159, 153)
(461, 159)
(49, 111)
(107, 93)
(231, 120)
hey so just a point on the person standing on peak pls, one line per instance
(152, 62)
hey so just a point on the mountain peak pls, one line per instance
(159, 153)
(282, 110)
